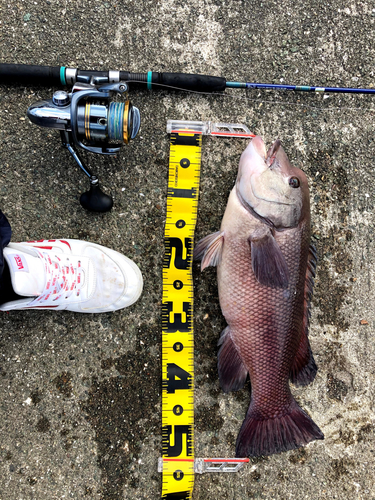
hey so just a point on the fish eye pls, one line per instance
(294, 182)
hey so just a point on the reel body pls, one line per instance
(89, 120)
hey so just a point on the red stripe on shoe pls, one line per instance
(66, 243)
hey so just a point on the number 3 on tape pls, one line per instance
(177, 316)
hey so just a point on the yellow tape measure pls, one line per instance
(177, 317)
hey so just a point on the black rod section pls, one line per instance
(27, 74)
(184, 81)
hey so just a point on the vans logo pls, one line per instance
(18, 263)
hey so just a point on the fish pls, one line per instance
(265, 273)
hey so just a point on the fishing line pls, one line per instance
(262, 101)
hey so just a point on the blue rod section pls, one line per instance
(302, 88)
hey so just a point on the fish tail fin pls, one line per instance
(259, 436)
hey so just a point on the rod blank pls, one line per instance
(26, 74)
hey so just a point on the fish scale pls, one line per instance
(255, 334)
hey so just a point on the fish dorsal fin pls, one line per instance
(209, 249)
(304, 369)
(268, 262)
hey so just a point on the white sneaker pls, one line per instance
(71, 275)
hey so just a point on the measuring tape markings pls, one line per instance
(178, 464)
(177, 317)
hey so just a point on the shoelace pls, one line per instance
(62, 280)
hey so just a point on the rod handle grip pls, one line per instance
(184, 81)
(28, 74)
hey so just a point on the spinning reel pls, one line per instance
(87, 119)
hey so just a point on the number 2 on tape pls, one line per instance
(177, 317)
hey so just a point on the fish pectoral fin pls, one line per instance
(268, 262)
(209, 249)
(232, 371)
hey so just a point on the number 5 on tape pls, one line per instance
(177, 316)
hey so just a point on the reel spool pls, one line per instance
(87, 119)
(102, 123)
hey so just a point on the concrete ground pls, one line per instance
(80, 395)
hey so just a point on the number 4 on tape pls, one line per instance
(177, 463)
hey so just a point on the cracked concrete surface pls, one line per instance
(80, 395)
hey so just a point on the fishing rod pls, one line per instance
(60, 75)
(88, 119)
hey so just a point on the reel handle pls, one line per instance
(94, 199)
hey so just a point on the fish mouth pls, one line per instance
(271, 163)
(272, 152)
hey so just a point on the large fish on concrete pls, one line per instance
(266, 270)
